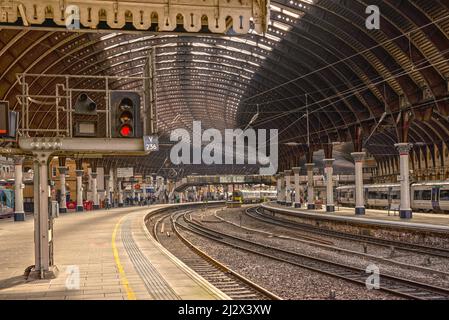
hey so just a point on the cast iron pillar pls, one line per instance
(297, 203)
(19, 213)
(310, 191)
(282, 190)
(44, 267)
(359, 194)
(288, 197)
(120, 192)
(62, 174)
(278, 188)
(93, 175)
(405, 211)
(79, 185)
(329, 170)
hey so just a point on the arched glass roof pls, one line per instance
(316, 56)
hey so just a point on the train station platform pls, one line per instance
(420, 221)
(104, 254)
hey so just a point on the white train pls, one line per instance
(430, 196)
(255, 196)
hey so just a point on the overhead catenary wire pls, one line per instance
(367, 87)
(349, 93)
(360, 84)
(354, 123)
(406, 34)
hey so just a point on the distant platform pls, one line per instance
(420, 221)
(104, 254)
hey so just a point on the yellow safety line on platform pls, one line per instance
(123, 279)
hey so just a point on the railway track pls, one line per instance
(228, 281)
(415, 248)
(399, 286)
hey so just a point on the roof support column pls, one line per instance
(95, 190)
(62, 173)
(329, 171)
(94, 186)
(133, 191)
(310, 191)
(278, 188)
(120, 192)
(288, 185)
(43, 223)
(79, 185)
(359, 198)
(19, 213)
(404, 148)
(359, 156)
(309, 167)
(108, 187)
(405, 211)
(108, 184)
(297, 203)
(282, 189)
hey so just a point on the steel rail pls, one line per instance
(398, 286)
(212, 269)
(416, 248)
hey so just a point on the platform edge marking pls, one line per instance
(129, 292)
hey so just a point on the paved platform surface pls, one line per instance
(111, 251)
(420, 220)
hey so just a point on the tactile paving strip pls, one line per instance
(156, 285)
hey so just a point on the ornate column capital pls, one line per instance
(281, 175)
(328, 162)
(296, 170)
(62, 170)
(93, 175)
(358, 156)
(310, 166)
(18, 160)
(404, 148)
(288, 172)
(79, 173)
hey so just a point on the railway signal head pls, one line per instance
(126, 118)
(8, 121)
(85, 105)
(125, 115)
(4, 118)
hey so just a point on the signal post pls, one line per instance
(86, 134)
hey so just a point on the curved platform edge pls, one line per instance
(364, 219)
(203, 283)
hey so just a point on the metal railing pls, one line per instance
(61, 104)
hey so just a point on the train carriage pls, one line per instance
(253, 196)
(432, 196)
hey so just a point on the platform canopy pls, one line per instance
(315, 55)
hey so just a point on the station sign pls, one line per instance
(151, 143)
(226, 179)
(125, 172)
(232, 179)
(239, 179)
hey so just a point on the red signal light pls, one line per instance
(126, 130)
